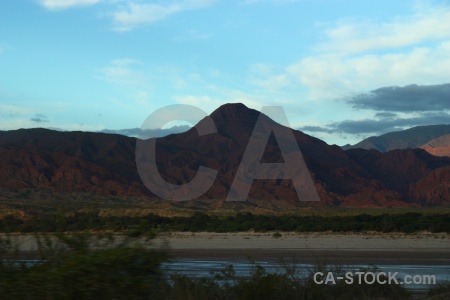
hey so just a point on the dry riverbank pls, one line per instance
(350, 248)
(394, 248)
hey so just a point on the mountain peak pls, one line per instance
(234, 119)
(233, 110)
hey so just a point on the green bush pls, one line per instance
(74, 268)
(277, 235)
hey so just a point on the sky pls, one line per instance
(342, 70)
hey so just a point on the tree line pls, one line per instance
(92, 220)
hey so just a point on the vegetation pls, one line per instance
(92, 220)
(29, 202)
(110, 266)
(291, 284)
(440, 291)
(83, 267)
(102, 267)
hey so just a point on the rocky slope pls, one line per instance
(105, 164)
(439, 146)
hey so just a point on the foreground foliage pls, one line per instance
(103, 267)
(292, 284)
(78, 267)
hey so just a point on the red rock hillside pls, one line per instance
(105, 164)
(439, 146)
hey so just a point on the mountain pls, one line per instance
(104, 164)
(410, 138)
(439, 146)
(69, 162)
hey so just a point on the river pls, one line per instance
(208, 267)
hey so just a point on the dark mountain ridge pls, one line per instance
(104, 164)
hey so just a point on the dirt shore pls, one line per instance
(390, 248)
(350, 248)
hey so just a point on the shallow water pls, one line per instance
(207, 268)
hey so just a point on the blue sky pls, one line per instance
(332, 64)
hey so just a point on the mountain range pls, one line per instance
(104, 164)
(415, 137)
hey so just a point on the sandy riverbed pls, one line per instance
(245, 240)
(395, 248)
(391, 248)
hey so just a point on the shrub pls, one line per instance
(79, 268)
(277, 235)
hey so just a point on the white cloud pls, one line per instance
(65, 4)
(427, 24)
(135, 14)
(122, 72)
(130, 80)
(262, 75)
(8, 110)
(331, 76)
(223, 96)
(124, 62)
(130, 14)
(13, 124)
(171, 74)
(416, 49)
(362, 56)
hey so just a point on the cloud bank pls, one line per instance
(411, 98)
(418, 105)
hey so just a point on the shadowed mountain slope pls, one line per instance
(105, 164)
